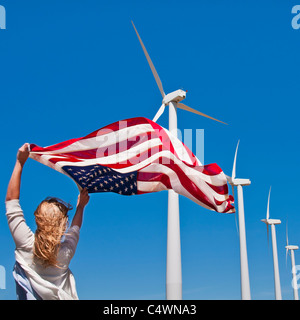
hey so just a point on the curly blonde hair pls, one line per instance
(51, 218)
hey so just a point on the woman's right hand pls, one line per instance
(23, 154)
(83, 198)
(82, 201)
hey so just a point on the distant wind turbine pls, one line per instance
(239, 183)
(173, 274)
(272, 223)
(291, 248)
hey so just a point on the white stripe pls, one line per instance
(150, 186)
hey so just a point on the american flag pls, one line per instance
(137, 156)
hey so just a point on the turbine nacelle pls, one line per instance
(271, 221)
(175, 96)
(238, 182)
(290, 247)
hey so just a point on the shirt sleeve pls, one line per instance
(21, 233)
(70, 242)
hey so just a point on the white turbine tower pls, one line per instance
(291, 248)
(272, 223)
(239, 183)
(173, 274)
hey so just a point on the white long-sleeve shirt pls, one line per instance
(50, 283)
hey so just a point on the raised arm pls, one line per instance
(21, 233)
(13, 189)
(82, 201)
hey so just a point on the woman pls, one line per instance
(42, 259)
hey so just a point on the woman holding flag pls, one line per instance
(42, 259)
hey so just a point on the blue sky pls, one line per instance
(71, 67)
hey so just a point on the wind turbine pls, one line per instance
(292, 248)
(273, 222)
(239, 183)
(173, 274)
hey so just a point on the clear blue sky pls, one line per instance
(71, 67)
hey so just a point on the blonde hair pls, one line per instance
(51, 217)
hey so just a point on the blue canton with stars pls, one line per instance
(97, 178)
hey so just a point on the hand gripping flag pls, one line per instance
(137, 156)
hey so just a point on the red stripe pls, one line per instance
(69, 159)
(154, 176)
(211, 169)
(219, 189)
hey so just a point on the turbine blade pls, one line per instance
(286, 254)
(234, 162)
(268, 207)
(155, 74)
(184, 107)
(287, 234)
(159, 112)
